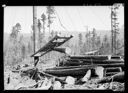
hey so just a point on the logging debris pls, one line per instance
(44, 81)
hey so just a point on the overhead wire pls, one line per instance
(80, 17)
(97, 17)
(60, 21)
(70, 19)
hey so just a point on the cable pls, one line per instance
(60, 21)
(80, 17)
(97, 17)
(70, 20)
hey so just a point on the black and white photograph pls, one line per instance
(64, 47)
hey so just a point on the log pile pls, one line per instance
(103, 73)
(112, 64)
(51, 82)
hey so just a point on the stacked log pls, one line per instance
(95, 57)
(113, 64)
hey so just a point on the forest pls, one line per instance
(18, 48)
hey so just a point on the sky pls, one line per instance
(73, 18)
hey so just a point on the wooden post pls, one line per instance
(35, 30)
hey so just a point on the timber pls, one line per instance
(57, 78)
(74, 71)
(86, 62)
(63, 50)
(119, 77)
(113, 69)
(98, 57)
(52, 44)
(104, 65)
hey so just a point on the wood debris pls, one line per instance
(43, 81)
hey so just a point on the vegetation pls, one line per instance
(20, 49)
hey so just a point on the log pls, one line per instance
(98, 57)
(46, 84)
(103, 65)
(63, 50)
(116, 57)
(70, 80)
(57, 78)
(87, 76)
(119, 77)
(57, 85)
(99, 71)
(76, 62)
(111, 73)
(95, 61)
(104, 80)
(113, 69)
(111, 65)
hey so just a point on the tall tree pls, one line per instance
(50, 12)
(23, 51)
(93, 39)
(39, 34)
(43, 18)
(80, 42)
(15, 30)
(106, 45)
(14, 51)
(98, 42)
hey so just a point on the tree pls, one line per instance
(93, 39)
(88, 41)
(39, 34)
(106, 45)
(29, 47)
(98, 42)
(50, 12)
(43, 18)
(14, 51)
(80, 43)
(15, 30)
(23, 51)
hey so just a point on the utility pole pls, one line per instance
(35, 33)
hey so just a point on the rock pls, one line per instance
(87, 76)
(70, 80)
